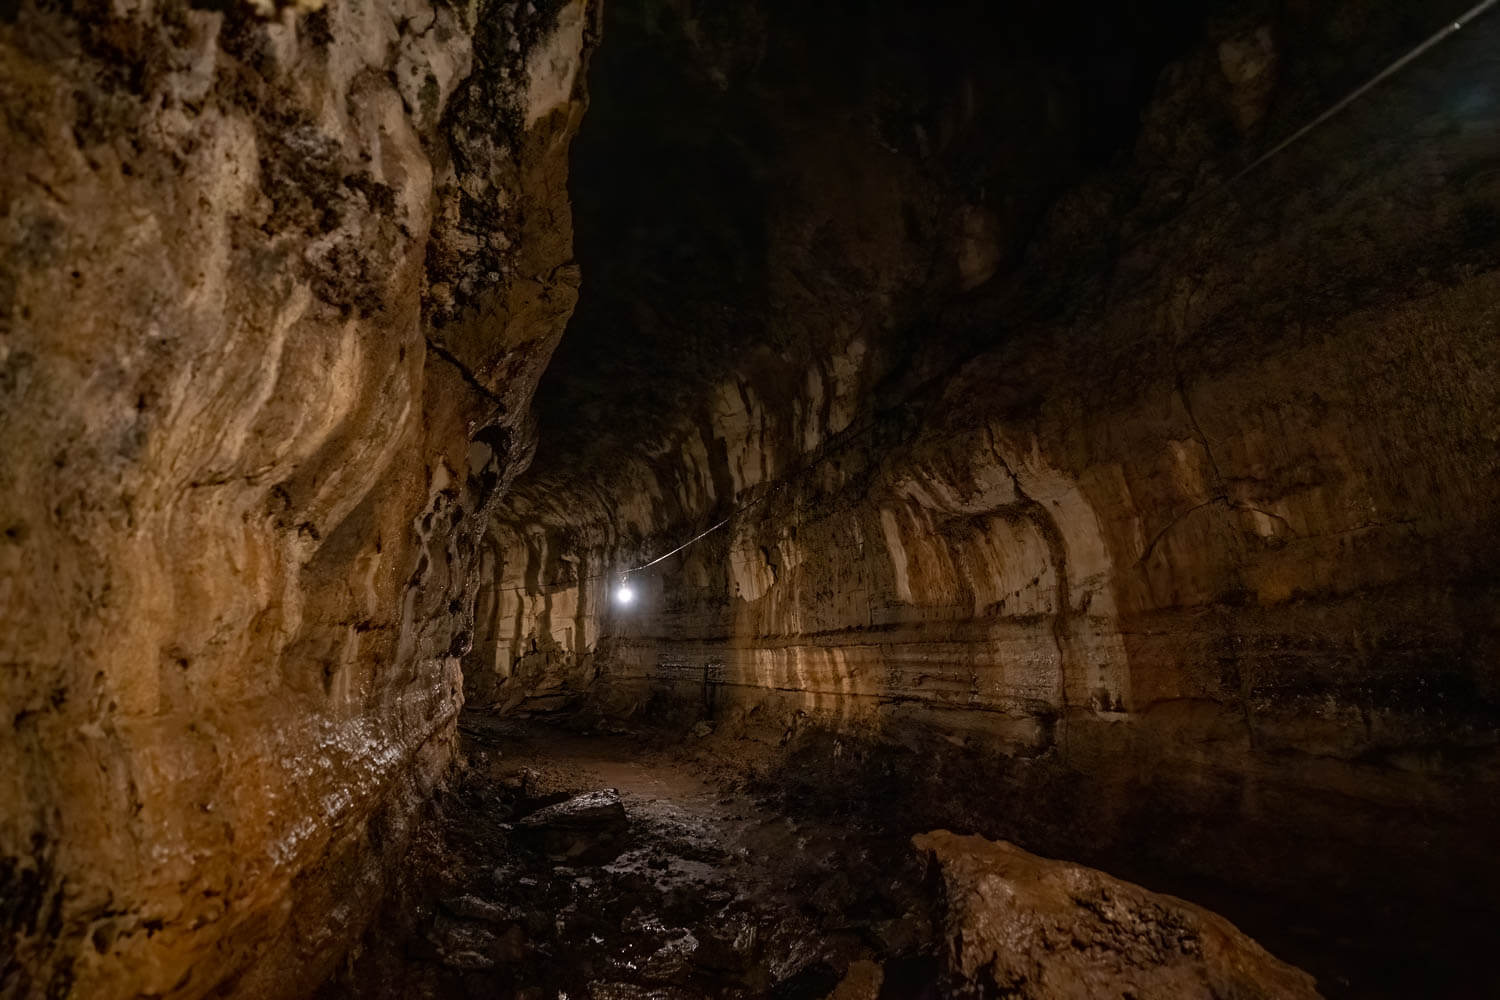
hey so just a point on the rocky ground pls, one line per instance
(599, 867)
(628, 865)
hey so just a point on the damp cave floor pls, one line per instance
(706, 889)
(715, 880)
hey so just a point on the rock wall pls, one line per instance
(1173, 543)
(278, 285)
(775, 199)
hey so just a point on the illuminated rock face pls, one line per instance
(1187, 524)
(277, 288)
(1141, 518)
(1048, 930)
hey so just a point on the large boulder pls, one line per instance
(1050, 929)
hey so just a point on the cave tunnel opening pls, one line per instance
(684, 499)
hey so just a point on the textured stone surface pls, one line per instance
(1074, 499)
(276, 290)
(584, 828)
(1049, 930)
(1181, 522)
(601, 809)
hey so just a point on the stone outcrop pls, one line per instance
(278, 283)
(1036, 929)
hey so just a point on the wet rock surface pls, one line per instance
(1071, 493)
(714, 888)
(704, 890)
(587, 827)
(276, 288)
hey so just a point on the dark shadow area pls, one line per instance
(729, 173)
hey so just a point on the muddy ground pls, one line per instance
(696, 885)
(717, 866)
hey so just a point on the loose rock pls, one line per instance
(585, 828)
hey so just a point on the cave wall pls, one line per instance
(278, 285)
(772, 198)
(1185, 522)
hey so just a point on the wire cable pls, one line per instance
(623, 573)
(1442, 35)
(705, 532)
(1437, 38)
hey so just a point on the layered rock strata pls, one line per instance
(278, 283)
(1187, 518)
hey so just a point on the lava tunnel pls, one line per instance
(728, 499)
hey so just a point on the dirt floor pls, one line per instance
(688, 885)
(710, 865)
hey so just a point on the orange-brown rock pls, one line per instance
(1169, 542)
(1015, 463)
(277, 284)
(1037, 929)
